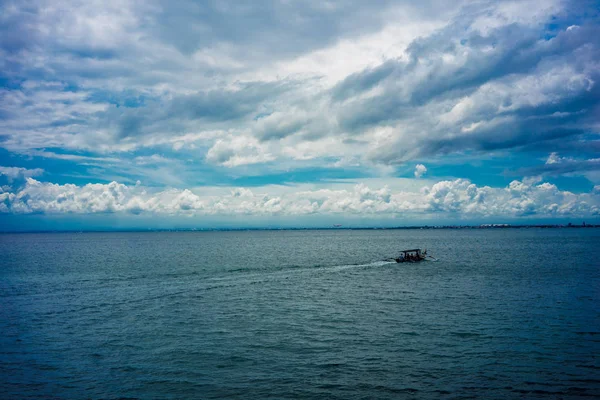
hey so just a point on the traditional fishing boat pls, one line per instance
(412, 255)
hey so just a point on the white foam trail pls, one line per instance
(262, 276)
(373, 264)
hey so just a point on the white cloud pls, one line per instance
(420, 170)
(233, 151)
(19, 172)
(553, 158)
(153, 160)
(459, 198)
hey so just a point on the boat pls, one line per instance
(412, 255)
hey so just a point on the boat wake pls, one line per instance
(187, 286)
(348, 266)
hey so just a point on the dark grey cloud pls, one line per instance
(19, 25)
(121, 33)
(516, 50)
(562, 167)
(505, 136)
(584, 145)
(222, 105)
(412, 92)
(529, 126)
(175, 114)
(271, 28)
(363, 81)
(240, 74)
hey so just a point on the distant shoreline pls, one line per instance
(349, 228)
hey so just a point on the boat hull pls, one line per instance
(400, 261)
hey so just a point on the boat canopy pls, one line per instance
(418, 251)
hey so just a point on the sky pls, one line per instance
(162, 114)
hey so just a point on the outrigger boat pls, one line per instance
(413, 255)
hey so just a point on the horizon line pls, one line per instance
(348, 228)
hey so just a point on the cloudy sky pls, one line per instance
(298, 113)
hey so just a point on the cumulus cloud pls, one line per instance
(458, 197)
(420, 170)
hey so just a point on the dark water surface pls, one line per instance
(300, 314)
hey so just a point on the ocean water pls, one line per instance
(511, 313)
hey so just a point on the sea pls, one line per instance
(311, 314)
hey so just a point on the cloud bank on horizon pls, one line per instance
(232, 108)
